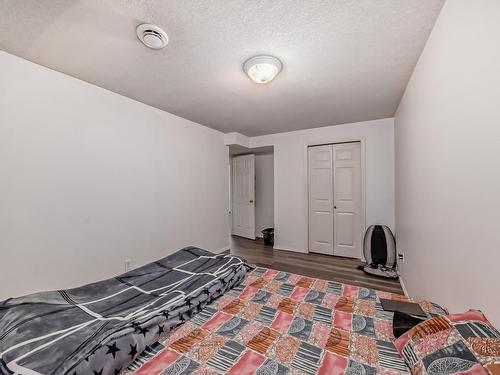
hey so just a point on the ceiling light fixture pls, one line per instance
(262, 69)
(152, 36)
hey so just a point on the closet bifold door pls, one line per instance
(320, 191)
(347, 199)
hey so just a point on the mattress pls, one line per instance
(283, 323)
(101, 328)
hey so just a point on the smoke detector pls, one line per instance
(152, 36)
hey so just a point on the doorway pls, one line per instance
(334, 197)
(243, 195)
(252, 190)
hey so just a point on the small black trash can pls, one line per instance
(268, 235)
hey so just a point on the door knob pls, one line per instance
(334, 207)
(251, 200)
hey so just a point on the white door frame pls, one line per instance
(334, 140)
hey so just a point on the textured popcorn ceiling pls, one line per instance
(344, 60)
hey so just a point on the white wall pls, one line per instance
(90, 178)
(447, 131)
(290, 171)
(264, 192)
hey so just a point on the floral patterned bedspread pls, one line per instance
(278, 323)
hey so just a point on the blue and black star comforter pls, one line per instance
(100, 328)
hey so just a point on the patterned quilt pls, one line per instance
(281, 323)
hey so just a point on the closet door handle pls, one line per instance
(334, 207)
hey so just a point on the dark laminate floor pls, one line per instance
(314, 265)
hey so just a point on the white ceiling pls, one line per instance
(344, 60)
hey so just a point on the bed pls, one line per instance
(277, 323)
(198, 313)
(99, 328)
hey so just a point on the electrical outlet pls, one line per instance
(128, 264)
(401, 257)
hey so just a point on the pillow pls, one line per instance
(452, 344)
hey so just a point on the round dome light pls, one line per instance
(152, 36)
(262, 69)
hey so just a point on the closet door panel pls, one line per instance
(347, 199)
(320, 193)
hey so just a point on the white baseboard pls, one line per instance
(225, 248)
(403, 285)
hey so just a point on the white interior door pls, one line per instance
(320, 160)
(347, 199)
(243, 196)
